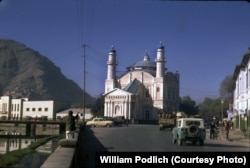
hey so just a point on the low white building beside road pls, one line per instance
(23, 108)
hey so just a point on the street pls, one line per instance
(142, 138)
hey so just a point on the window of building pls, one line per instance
(248, 78)
(157, 89)
(147, 92)
(4, 107)
(27, 109)
(33, 109)
(241, 85)
(46, 109)
(39, 109)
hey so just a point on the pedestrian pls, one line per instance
(71, 125)
(127, 122)
(212, 129)
(227, 127)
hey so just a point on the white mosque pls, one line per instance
(144, 90)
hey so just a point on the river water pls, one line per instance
(34, 160)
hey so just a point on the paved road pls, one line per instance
(141, 138)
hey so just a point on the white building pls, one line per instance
(241, 102)
(18, 109)
(64, 113)
(145, 89)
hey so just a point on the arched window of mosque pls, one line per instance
(157, 89)
(117, 109)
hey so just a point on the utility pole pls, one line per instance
(84, 80)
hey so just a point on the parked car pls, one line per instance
(118, 120)
(189, 129)
(101, 122)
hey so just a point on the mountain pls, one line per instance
(26, 73)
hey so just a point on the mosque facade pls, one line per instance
(143, 91)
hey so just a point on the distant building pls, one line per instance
(64, 113)
(22, 108)
(144, 90)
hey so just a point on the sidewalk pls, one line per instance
(237, 135)
(234, 135)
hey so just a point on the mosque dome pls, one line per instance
(143, 64)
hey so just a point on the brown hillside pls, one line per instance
(26, 73)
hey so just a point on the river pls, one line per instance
(33, 160)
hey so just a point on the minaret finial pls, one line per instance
(112, 49)
(146, 57)
(161, 46)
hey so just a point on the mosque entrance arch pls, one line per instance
(117, 110)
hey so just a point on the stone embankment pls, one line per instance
(63, 156)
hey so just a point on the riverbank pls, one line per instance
(15, 157)
(63, 156)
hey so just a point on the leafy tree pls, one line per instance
(187, 105)
(213, 107)
(97, 108)
(210, 107)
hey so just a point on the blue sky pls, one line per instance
(204, 40)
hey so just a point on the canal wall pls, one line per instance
(63, 156)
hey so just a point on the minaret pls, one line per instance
(160, 61)
(110, 82)
(159, 82)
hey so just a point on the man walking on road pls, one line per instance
(227, 127)
(212, 129)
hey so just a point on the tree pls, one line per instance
(226, 88)
(97, 108)
(187, 105)
(213, 107)
(210, 107)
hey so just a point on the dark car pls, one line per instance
(118, 120)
